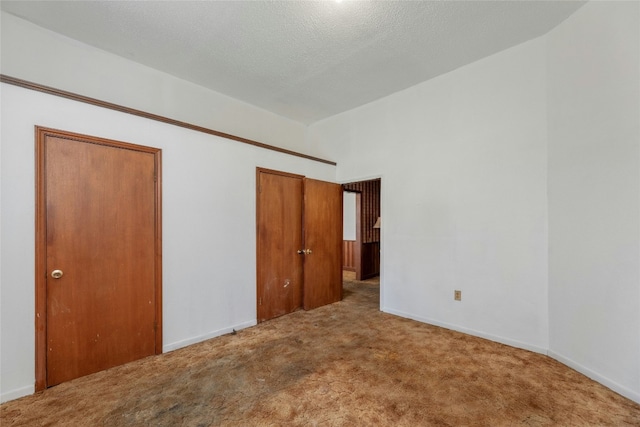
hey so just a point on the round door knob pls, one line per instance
(56, 274)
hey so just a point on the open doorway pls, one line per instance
(361, 226)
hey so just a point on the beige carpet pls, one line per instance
(346, 364)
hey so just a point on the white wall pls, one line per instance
(478, 163)
(594, 193)
(208, 184)
(208, 223)
(35, 54)
(463, 161)
(348, 216)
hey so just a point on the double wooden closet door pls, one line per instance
(299, 243)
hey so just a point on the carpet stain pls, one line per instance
(346, 364)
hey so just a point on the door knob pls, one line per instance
(301, 251)
(56, 274)
(307, 251)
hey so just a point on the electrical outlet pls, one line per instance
(457, 295)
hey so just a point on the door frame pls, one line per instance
(357, 246)
(41, 133)
(361, 274)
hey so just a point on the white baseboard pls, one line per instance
(15, 394)
(496, 338)
(26, 391)
(620, 389)
(194, 340)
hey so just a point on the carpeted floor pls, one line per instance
(346, 364)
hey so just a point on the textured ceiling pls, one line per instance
(305, 60)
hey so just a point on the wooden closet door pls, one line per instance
(323, 238)
(279, 238)
(99, 229)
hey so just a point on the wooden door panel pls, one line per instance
(100, 222)
(323, 237)
(279, 237)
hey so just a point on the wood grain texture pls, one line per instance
(98, 220)
(367, 261)
(111, 106)
(370, 205)
(348, 255)
(279, 238)
(370, 260)
(323, 236)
